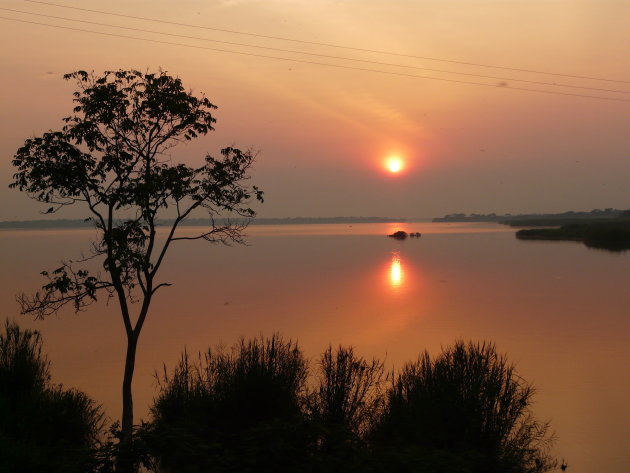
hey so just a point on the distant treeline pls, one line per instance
(199, 222)
(611, 235)
(533, 220)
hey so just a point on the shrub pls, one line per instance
(43, 427)
(466, 407)
(343, 406)
(237, 410)
(348, 396)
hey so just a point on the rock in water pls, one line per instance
(399, 235)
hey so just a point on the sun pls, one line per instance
(394, 164)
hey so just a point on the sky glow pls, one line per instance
(322, 116)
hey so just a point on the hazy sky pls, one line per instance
(323, 132)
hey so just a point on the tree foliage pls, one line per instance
(110, 155)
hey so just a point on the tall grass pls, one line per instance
(470, 402)
(248, 409)
(233, 410)
(43, 427)
(348, 395)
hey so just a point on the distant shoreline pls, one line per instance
(197, 222)
(540, 220)
(602, 229)
(611, 235)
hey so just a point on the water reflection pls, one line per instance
(396, 274)
(567, 325)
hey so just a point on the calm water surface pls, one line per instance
(559, 310)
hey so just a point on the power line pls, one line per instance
(328, 56)
(402, 74)
(331, 45)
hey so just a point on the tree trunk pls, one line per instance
(125, 463)
(130, 363)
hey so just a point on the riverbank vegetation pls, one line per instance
(537, 219)
(263, 406)
(608, 235)
(255, 407)
(607, 229)
(43, 426)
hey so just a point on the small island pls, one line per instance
(402, 235)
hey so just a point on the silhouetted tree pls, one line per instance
(110, 157)
(43, 427)
(467, 407)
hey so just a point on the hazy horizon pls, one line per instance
(45, 218)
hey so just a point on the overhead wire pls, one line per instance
(328, 56)
(339, 66)
(316, 63)
(331, 45)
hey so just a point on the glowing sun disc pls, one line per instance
(394, 164)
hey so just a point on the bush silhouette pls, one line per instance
(466, 410)
(344, 404)
(237, 410)
(348, 395)
(248, 409)
(43, 427)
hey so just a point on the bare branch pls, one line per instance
(225, 234)
(164, 284)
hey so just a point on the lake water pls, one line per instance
(559, 310)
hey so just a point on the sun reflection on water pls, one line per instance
(396, 274)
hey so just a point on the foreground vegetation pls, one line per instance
(43, 427)
(252, 408)
(262, 406)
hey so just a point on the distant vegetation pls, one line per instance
(198, 222)
(607, 229)
(609, 235)
(532, 220)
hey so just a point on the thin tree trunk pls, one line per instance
(130, 363)
(125, 459)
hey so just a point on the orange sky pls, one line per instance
(323, 132)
